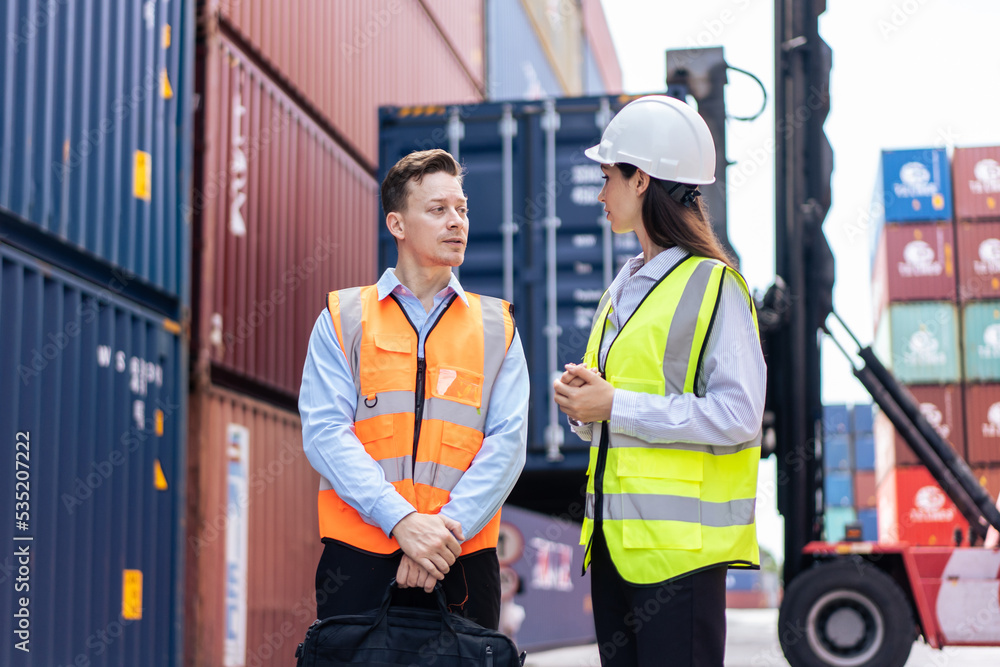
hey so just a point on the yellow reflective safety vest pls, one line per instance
(669, 509)
(422, 419)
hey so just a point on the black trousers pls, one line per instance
(351, 581)
(681, 623)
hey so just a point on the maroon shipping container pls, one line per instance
(914, 262)
(282, 216)
(977, 183)
(345, 59)
(253, 541)
(864, 489)
(978, 253)
(595, 27)
(988, 477)
(942, 406)
(982, 419)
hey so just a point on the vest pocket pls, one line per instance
(387, 363)
(459, 445)
(376, 435)
(660, 499)
(638, 385)
(457, 384)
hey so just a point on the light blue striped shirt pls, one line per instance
(729, 405)
(327, 402)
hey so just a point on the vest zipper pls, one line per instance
(418, 408)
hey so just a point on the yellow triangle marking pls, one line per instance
(160, 479)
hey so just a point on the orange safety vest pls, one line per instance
(421, 419)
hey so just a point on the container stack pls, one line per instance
(848, 470)
(96, 143)
(977, 220)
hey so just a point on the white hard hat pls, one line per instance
(664, 137)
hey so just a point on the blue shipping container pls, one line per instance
(864, 451)
(92, 404)
(838, 488)
(95, 135)
(554, 274)
(521, 71)
(864, 420)
(869, 524)
(837, 451)
(836, 418)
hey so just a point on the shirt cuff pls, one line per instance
(624, 412)
(393, 514)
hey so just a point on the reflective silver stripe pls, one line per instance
(654, 507)
(620, 440)
(350, 329)
(451, 411)
(396, 469)
(680, 339)
(437, 475)
(494, 347)
(386, 403)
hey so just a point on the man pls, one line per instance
(414, 408)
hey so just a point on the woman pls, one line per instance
(671, 395)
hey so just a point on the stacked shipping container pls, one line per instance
(849, 470)
(935, 290)
(94, 182)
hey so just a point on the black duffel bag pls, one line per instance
(396, 635)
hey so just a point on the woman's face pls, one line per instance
(622, 199)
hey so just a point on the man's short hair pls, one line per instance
(414, 167)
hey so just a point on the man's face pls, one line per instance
(433, 229)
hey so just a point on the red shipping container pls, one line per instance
(976, 172)
(914, 262)
(942, 406)
(864, 489)
(595, 27)
(978, 260)
(988, 477)
(982, 419)
(912, 508)
(345, 59)
(248, 478)
(282, 216)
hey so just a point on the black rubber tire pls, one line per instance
(846, 613)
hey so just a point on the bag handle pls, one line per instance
(438, 594)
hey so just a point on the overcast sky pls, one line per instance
(906, 74)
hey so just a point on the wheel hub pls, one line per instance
(845, 628)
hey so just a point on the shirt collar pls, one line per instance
(389, 283)
(659, 265)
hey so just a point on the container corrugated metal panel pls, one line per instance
(838, 488)
(587, 257)
(837, 451)
(919, 342)
(463, 25)
(268, 495)
(864, 451)
(283, 215)
(978, 246)
(348, 58)
(977, 183)
(98, 384)
(912, 508)
(836, 520)
(524, 72)
(915, 262)
(868, 518)
(592, 82)
(864, 489)
(943, 408)
(981, 333)
(989, 478)
(982, 418)
(95, 132)
(836, 419)
(598, 35)
(863, 417)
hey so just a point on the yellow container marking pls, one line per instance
(142, 176)
(159, 479)
(132, 594)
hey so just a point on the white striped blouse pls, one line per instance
(729, 404)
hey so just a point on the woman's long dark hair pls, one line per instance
(670, 223)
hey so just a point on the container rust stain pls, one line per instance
(282, 216)
(253, 542)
